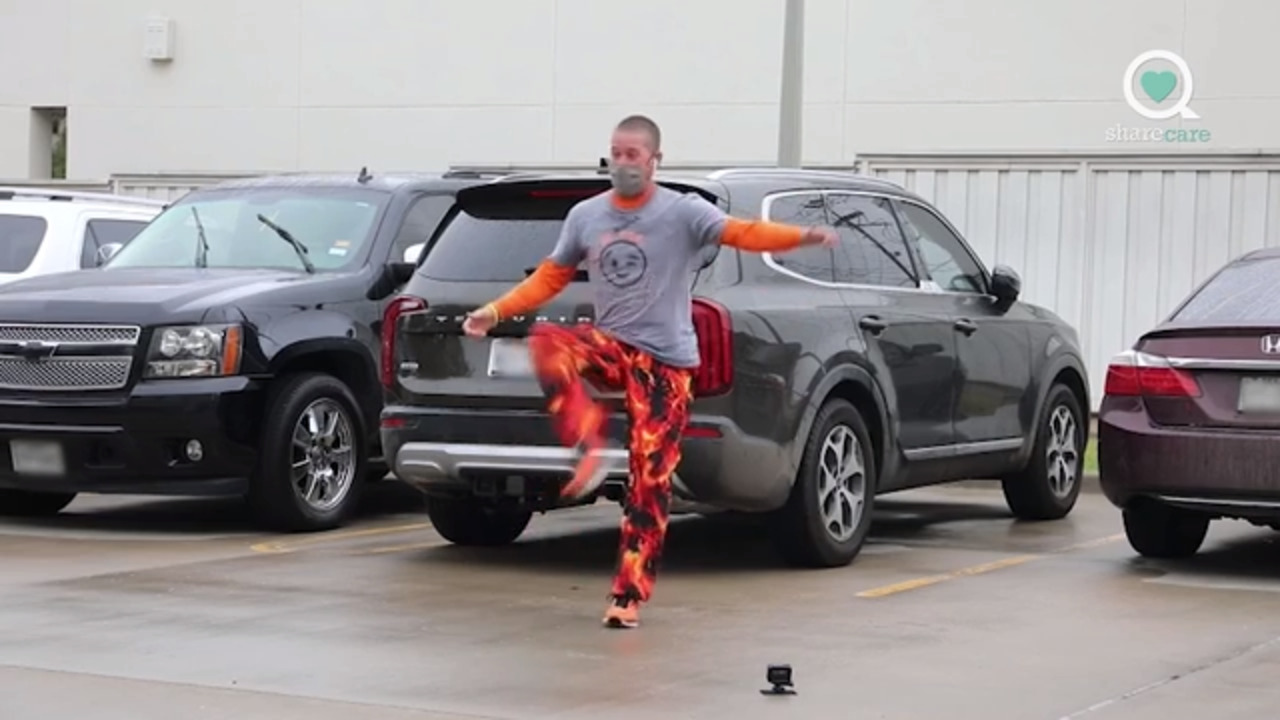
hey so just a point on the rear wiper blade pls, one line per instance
(202, 242)
(288, 237)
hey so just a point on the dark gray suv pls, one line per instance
(892, 361)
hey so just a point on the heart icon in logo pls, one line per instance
(1159, 85)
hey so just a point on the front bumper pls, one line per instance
(517, 452)
(136, 443)
(1228, 472)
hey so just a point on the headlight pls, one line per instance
(194, 351)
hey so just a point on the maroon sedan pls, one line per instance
(1189, 427)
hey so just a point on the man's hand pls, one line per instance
(823, 236)
(480, 321)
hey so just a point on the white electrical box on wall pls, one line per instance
(158, 39)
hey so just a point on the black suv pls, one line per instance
(231, 348)
(895, 360)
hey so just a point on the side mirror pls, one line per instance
(412, 253)
(1005, 284)
(106, 252)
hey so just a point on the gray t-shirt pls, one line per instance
(641, 264)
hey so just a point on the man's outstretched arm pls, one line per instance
(712, 225)
(765, 236)
(547, 281)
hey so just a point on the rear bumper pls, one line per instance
(517, 452)
(1232, 473)
(136, 443)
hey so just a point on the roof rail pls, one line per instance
(13, 193)
(844, 174)
(504, 170)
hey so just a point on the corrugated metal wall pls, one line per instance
(1110, 243)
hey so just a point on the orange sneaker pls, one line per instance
(622, 614)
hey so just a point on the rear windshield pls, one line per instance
(1244, 291)
(492, 244)
(20, 238)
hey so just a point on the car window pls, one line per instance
(419, 222)
(946, 261)
(334, 224)
(814, 262)
(20, 238)
(872, 250)
(1245, 291)
(499, 242)
(102, 231)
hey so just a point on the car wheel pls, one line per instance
(24, 503)
(1157, 530)
(311, 466)
(828, 514)
(1049, 486)
(472, 521)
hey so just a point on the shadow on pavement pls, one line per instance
(141, 514)
(1253, 557)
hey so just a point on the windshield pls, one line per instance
(333, 224)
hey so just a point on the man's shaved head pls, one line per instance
(642, 124)
(635, 151)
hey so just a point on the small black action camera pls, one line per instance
(779, 678)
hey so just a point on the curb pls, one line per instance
(1088, 484)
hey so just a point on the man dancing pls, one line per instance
(642, 243)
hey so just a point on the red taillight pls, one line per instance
(390, 324)
(703, 432)
(714, 327)
(1135, 374)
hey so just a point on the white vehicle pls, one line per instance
(46, 230)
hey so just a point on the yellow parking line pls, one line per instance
(283, 546)
(399, 548)
(920, 582)
(916, 583)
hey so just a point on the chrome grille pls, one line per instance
(87, 373)
(71, 334)
(39, 356)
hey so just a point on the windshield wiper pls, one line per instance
(288, 237)
(202, 242)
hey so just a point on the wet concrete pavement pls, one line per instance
(139, 610)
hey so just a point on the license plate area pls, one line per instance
(41, 458)
(1259, 396)
(509, 358)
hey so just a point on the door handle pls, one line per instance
(965, 326)
(872, 324)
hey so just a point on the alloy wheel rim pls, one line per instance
(1062, 455)
(842, 483)
(323, 464)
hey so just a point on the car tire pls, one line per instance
(470, 521)
(1157, 530)
(823, 532)
(24, 503)
(1047, 489)
(277, 489)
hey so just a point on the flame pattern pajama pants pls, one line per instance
(657, 403)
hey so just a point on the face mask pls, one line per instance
(628, 180)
